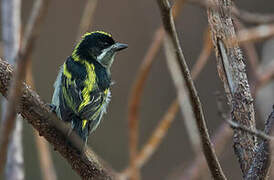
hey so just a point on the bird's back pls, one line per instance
(81, 95)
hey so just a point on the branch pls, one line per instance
(11, 34)
(172, 42)
(38, 114)
(254, 132)
(231, 70)
(260, 166)
(266, 75)
(261, 163)
(250, 17)
(154, 141)
(220, 139)
(195, 170)
(87, 17)
(22, 57)
(161, 129)
(257, 33)
(185, 103)
(139, 83)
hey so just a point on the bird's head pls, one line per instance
(98, 46)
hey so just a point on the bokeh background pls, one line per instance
(134, 23)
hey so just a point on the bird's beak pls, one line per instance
(119, 46)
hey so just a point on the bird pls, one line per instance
(82, 87)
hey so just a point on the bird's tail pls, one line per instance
(80, 127)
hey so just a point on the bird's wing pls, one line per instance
(85, 104)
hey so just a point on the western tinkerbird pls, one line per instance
(82, 86)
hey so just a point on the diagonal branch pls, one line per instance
(174, 49)
(162, 127)
(38, 114)
(139, 83)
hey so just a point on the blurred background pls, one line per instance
(134, 23)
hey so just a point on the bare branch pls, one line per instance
(254, 18)
(38, 114)
(185, 104)
(22, 57)
(172, 43)
(231, 70)
(164, 124)
(154, 140)
(254, 132)
(87, 17)
(195, 170)
(139, 83)
(246, 16)
(11, 34)
(265, 76)
(261, 163)
(136, 93)
(258, 33)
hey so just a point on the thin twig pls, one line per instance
(220, 139)
(198, 165)
(32, 30)
(254, 132)
(155, 139)
(253, 34)
(87, 17)
(139, 83)
(250, 17)
(136, 93)
(265, 76)
(39, 115)
(262, 160)
(185, 105)
(173, 44)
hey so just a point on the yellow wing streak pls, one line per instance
(66, 72)
(84, 124)
(89, 82)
